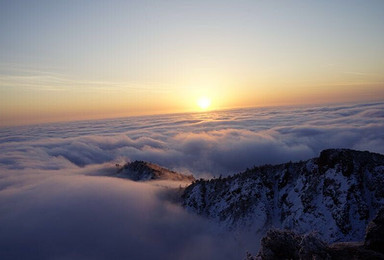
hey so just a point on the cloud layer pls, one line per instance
(66, 216)
(203, 144)
(56, 201)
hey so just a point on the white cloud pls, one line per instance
(222, 143)
(47, 215)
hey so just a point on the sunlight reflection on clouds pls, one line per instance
(219, 142)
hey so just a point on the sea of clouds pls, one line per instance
(57, 200)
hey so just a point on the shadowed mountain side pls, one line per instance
(336, 195)
(145, 171)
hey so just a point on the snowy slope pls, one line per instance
(336, 194)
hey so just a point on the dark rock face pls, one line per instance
(374, 238)
(280, 244)
(335, 195)
(286, 244)
(311, 247)
(351, 250)
(145, 171)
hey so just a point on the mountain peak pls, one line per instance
(145, 171)
(349, 161)
(330, 156)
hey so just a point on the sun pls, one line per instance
(204, 102)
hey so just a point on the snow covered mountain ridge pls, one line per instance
(336, 194)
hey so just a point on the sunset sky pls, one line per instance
(70, 60)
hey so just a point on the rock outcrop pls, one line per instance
(145, 171)
(374, 238)
(287, 244)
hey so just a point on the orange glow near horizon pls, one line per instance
(145, 60)
(69, 105)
